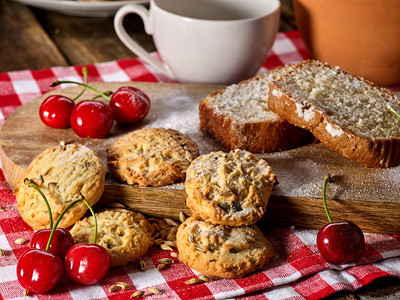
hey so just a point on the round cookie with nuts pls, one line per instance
(222, 251)
(151, 156)
(124, 233)
(229, 188)
(62, 173)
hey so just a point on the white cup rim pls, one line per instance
(275, 6)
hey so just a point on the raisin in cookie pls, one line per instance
(151, 156)
(220, 250)
(125, 234)
(62, 173)
(229, 188)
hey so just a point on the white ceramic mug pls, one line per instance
(205, 41)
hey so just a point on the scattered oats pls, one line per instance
(171, 222)
(204, 277)
(171, 236)
(191, 238)
(158, 242)
(194, 281)
(166, 247)
(182, 217)
(123, 285)
(292, 227)
(138, 294)
(162, 266)
(166, 261)
(27, 293)
(154, 290)
(174, 254)
(21, 241)
(52, 186)
(170, 243)
(113, 288)
(142, 265)
(116, 205)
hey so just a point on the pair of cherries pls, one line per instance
(52, 251)
(93, 118)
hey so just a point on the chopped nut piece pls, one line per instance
(154, 290)
(27, 293)
(194, 281)
(2, 209)
(21, 241)
(138, 294)
(2, 252)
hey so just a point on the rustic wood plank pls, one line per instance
(87, 40)
(23, 43)
(366, 196)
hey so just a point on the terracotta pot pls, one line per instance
(360, 36)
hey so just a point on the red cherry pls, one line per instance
(60, 244)
(55, 111)
(91, 118)
(87, 263)
(129, 105)
(39, 271)
(340, 242)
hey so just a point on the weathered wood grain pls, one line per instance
(369, 197)
(24, 44)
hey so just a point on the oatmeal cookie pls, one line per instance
(229, 188)
(222, 251)
(151, 156)
(125, 234)
(62, 173)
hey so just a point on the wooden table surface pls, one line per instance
(34, 39)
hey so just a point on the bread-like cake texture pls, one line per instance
(346, 113)
(62, 173)
(151, 156)
(238, 116)
(229, 188)
(125, 234)
(222, 251)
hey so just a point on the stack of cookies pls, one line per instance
(227, 194)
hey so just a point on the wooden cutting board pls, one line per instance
(370, 197)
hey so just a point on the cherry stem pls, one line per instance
(58, 82)
(30, 183)
(108, 93)
(327, 179)
(393, 111)
(82, 198)
(94, 218)
(84, 72)
(58, 221)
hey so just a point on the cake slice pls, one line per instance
(238, 116)
(346, 113)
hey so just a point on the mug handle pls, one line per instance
(132, 44)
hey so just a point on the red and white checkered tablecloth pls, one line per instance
(296, 272)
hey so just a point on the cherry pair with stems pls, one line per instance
(92, 118)
(53, 251)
